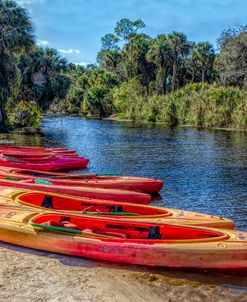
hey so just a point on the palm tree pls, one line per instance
(136, 63)
(109, 59)
(180, 49)
(203, 56)
(43, 73)
(16, 35)
(160, 54)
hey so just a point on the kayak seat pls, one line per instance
(116, 209)
(154, 232)
(91, 209)
(64, 218)
(70, 225)
(47, 202)
(64, 224)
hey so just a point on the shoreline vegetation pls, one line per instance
(165, 79)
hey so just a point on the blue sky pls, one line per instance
(76, 26)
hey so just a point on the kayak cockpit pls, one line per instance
(88, 206)
(123, 230)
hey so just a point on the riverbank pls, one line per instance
(114, 118)
(29, 275)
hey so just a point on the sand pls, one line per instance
(30, 275)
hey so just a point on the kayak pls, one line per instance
(146, 185)
(90, 192)
(19, 149)
(51, 162)
(165, 245)
(33, 153)
(110, 209)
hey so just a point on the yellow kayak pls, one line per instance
(109, 209)
(124, 241)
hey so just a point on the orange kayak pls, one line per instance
(122, 241)
(146, 185)
(110, 209)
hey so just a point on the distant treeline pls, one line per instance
(166, 79)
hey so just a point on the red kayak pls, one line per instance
(31, 150)
(90, 192)
(146, 185)
(49, 162)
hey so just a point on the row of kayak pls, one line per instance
(122, 240)
(107, 218)
(120, 231)
(43, 159)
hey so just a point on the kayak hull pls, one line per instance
(139, 255)
(229, 252)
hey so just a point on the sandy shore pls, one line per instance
(29, 275)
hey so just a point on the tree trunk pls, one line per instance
(3, 121)
(164, 83)
(3, 117)
(193, 76)
(203, 74)
(174, 75)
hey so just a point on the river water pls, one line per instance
(203, 170)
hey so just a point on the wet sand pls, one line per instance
(30, 275)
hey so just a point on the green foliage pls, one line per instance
(125, 28)
(125, 97)
(26, 114)
(165, 79)
(203, 57)
(233, 57)
(200, 105)
(16, 36)
(109, 42)
(43, 77)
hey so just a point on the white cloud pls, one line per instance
(69, 51)
(24, 2)
(42, 43)
(82, 63)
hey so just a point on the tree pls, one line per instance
(180, 49)
(109, 42)
(161, 55)
(43, 76)
(16, 35)
(100, 83)
(233, 57)
(203, 57)
(137, 65)
(125, 28)
(109, 59)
